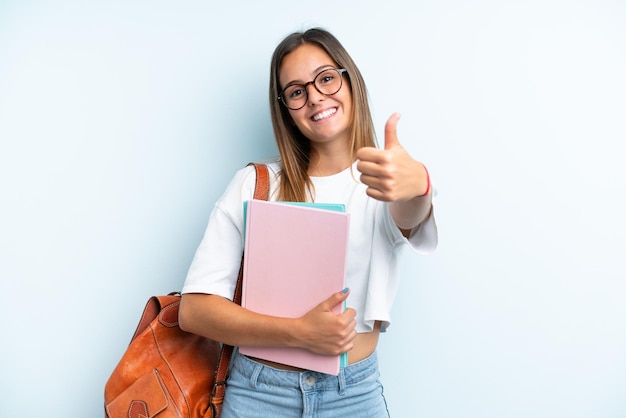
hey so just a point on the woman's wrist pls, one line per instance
(428, 185)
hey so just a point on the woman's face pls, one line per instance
(322, 119)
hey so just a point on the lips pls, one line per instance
(324, 115)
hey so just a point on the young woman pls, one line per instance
(325, 136)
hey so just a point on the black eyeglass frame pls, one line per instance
(305, 86)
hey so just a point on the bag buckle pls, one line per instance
(215, 386)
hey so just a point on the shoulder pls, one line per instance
(241, 186)
(274, 167)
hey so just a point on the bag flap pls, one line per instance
(143, 399)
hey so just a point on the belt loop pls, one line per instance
(254, 377)
(342, 382)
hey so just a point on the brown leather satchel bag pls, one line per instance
(167, 372)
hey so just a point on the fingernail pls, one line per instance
(345, 290)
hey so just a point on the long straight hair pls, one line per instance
(293, 146)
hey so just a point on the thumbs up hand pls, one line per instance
(391, 174)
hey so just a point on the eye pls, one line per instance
(294, 92)
(326, 77)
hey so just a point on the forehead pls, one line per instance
(303, 63)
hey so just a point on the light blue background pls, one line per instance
(121, 122)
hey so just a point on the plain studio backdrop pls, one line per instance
(121, 123)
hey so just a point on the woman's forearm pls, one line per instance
(220, 319)
(410, 213)
(320, 330)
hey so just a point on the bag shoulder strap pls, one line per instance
(261, 192)
(262, 186)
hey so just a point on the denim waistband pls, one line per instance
(259, 373)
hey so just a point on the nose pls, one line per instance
(313, 94)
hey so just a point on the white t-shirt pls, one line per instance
(375, 243)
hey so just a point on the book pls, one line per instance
(295, 258)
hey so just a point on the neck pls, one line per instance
(322, 167)
(325, 161)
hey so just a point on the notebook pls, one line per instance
(295, 258)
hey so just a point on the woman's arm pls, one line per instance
(320, 330)
(409, 214)
(393, 176)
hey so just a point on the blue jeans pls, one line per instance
(258, 391)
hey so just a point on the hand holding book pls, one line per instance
(325, 332)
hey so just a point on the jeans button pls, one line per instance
(310, 380)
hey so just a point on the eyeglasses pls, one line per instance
(328, 82)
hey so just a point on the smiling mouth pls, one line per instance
(324, 115)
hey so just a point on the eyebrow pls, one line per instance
(316, 71)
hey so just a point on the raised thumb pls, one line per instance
(391, 132)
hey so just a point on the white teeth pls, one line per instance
(324, 114)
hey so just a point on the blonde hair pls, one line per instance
(293, 146)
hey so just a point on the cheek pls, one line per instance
(297, 119)
(348, 110)
(346, 99)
